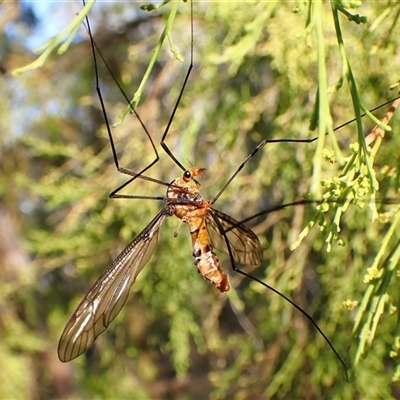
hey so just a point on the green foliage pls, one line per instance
(62, 40)
(263, 70)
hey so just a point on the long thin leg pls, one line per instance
(308, 316)
(113, 148)
(135, 175)
(264, 142)
(164, 136)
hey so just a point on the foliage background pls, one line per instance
(255, 78)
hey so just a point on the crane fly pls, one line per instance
(209, 229)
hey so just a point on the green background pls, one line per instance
(257, 69)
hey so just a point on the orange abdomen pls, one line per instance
(205, 259)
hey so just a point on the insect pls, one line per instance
(209, 229)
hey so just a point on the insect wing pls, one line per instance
(108, 295)
(245, 246)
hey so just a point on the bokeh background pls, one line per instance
(257, 69)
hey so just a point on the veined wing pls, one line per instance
(108, 295)
(245, 246)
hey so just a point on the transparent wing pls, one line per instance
(245, 246)
(106, 298)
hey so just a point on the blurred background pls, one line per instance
(255, 77)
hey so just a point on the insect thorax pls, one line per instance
(186, 190)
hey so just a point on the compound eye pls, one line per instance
(187, 175)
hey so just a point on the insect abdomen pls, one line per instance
(208, 266)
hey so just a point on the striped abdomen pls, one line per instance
(205, 259)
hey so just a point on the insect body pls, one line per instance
(205, 224)
(194, 214)
(209, 229)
